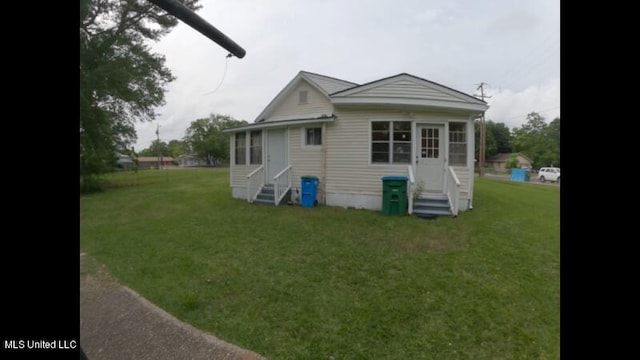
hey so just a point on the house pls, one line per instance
(124, 162)
(188, 160)
(499, 161)
(151, 162)
(350, 136)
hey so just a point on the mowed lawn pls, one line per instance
(298, 283)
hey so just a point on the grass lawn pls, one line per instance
(292, 283)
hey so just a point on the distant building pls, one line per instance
(124, 162)
(499, 161)
(188, 160)
(151, 162)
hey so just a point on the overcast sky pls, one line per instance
(512, 46)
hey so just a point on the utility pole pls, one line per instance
(482, 133)
(158, 144)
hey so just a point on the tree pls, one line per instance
(121, 80)
(497, 138)
(502, 136)
(551, 157)
(156, 147)
(539, 141)
(177, 148)
(513, 161)
(205, 138)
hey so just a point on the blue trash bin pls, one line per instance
(309, 189)
(518, 174)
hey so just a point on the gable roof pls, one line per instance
(324, 84)
(407, 89)
(329, 84)
(504, 157)
(402, 89)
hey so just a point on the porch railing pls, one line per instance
(453, 190)
(255, 180)
(412, 181)
(281, 184)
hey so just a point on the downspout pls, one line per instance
(323, 169)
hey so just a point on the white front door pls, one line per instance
(430, 157)
(276, 153)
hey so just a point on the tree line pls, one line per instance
(203, 138)
(535, 139)
(121, 80)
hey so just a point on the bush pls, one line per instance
(92, 183)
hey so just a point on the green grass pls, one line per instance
(292, 283)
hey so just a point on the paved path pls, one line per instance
(117, 323)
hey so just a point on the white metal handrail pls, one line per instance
(412, 180)
(453, 190)
(255, 180)
(281, 184)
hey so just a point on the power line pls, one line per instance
(226, 63)
(482, 134)
(520, 65)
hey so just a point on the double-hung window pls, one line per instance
(390, 142)
(313, 136)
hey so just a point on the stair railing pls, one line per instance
(281, 184)
(255, 180)
(453, 190)
(412, 181)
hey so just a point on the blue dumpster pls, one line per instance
(519, 175)
(309, 189)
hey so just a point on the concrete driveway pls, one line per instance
(117, 323)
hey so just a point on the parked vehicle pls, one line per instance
(549, 174)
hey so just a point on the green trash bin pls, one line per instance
(394, 195)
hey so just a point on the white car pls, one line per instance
(549, 173)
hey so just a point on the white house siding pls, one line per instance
(304, 160)
(351, 179)
(290, 108)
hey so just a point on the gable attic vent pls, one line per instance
(302, 97)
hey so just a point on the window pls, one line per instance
(457, 144)
(302, 97)
(255, 152)
(430, 147)
(391, 142)
(240, 148)
(313, 136)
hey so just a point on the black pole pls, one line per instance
(192, 19)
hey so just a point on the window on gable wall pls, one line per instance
(391, 142)
(313, 136)
(240, 148)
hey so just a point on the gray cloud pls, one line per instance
(513, 46)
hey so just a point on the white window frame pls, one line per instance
(391, 142)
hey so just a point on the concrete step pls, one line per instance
(432, 204)
(432, 211)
